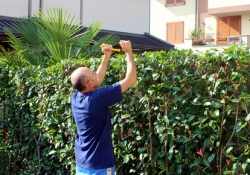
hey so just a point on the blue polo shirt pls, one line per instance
(93, 143)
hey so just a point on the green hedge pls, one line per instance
(188, 114)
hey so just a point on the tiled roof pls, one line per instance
(143, 42)
(140, 41)
(6, 22)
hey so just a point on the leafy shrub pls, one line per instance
(188, 114)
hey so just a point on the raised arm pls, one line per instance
(131, 75)
(101, 71)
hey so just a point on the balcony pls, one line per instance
(219, 42)
(226, 3)
(234, 39)
(227, 8)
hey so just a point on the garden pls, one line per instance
(187, 114)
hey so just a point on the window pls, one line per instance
(174, 2)
(175, 32)
(228, 26)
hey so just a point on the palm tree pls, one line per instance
(47, 38)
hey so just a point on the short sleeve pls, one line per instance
(108, 95)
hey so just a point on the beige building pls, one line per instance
(125, 16)
(220, 23)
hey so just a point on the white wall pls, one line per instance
(19, 8)
(226, 3)
(14, 8)
(245, 24)
(71, 6)
(157, 19)
(210, 26)
(120, 15)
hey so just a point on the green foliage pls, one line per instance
(38, 119)
(52, 36)
(197, 34)
(188, 114)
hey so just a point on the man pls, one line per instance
(93, 145)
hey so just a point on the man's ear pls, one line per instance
(90, 83)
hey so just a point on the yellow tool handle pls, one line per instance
(115, 50)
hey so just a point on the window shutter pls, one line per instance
(223, 28)
(174, 2)
(170, 2)
(171, 32)
(175, 32)
(179, 35)
(180, 2)
(234, 26)
(223, 31)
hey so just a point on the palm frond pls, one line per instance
(58, 52)
(55, 35)
(7, 59)
(22, 49)
(57, 25)
(108, 39)
(83, 40)
(28, 31)
(11, 58)
(111, 39)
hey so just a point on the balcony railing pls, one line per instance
(218, 42)
(234, 39)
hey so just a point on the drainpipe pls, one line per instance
(81, 11)
(196, 15)
(29, 8)
(149, 15)
(41, 5)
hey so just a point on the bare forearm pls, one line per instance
(131, 68)
(131, 75)
(101, 71)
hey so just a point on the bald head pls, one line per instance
(79, 78)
